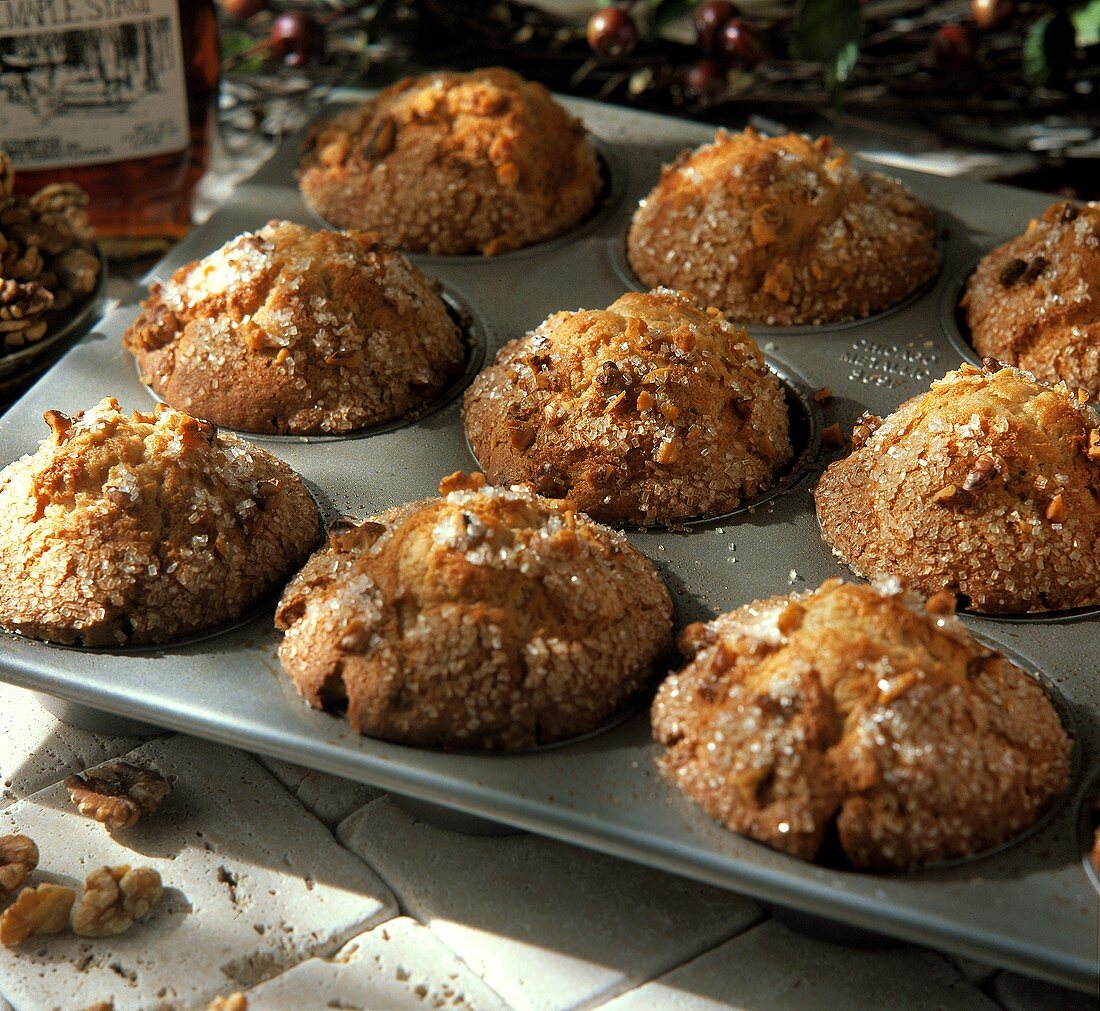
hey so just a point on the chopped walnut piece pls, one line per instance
(234, 1002)
(832, 436)
(118, 794)
(790, 618)
(945, 494)
(461, 481)
(985, 469)
(966, 369)
(1012, 272)
(823, 396)
(18, 857)
(866, 426)
(383, 139)
(1056, 511)
(43, 909)
(113, 898)
(943, 602)
(1094, 444)
(668, 452)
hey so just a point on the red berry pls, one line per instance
(297, 39)
(242, 10)
(991, 13)
(705, 79)
(710, 18)
(612, 33)
(954, 49)
(742, 44)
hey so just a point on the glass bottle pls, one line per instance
(119, 97)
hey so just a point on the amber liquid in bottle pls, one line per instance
(139, 205)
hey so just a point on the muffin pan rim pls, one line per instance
(605, 793)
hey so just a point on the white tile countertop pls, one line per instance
(305, 891)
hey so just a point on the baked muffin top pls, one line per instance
(782, 230)
(654, 409)
(289, 329)
(988, 486)
(488, 618)
(454, 163)
(142, 528)
(1034, 302)
(852, 705)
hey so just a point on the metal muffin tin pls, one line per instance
(1029, 905)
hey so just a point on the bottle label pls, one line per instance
(90, 81)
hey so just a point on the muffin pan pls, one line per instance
(1029, 905)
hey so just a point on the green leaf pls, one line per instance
(663, 11)
(1086, 23)
(1048, 49)
(828, 32)
(235, 43)
(1034, 54)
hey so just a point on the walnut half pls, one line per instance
(113, 898)
(118, 794)
(234, 1002)
(43, 909)
(18, 857)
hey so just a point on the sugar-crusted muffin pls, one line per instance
(1034, 302)
(782, 230)
(988, 486)
(851, 706)
(488, 618)
(652, 410)
(143, 528)
(289, 329)
(454, 163)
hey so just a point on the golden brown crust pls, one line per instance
(652, 410)
(987, 485)
(289, 329)
(454, 163)
(851, 704)
(142, 529)
(782, 230)
(1034, 302)
(489, 618)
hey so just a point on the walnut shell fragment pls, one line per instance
(18, 857)
(118, 794)
(43, 909)
(114, 897)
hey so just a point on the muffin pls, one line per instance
(1035, 301)
(454, 163)
(782, 230)
(293, 330)
(653, 409)
(489, 618)
(144, 528)
(987, 486)
(849, 706)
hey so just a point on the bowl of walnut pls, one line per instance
(52, 274)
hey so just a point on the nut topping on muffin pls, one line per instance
(986, 486)
(454, 163)
(851, 706)
(1034, 302)
(652, 410)
(144, 528)
(490, 618)
(782, 230)
(289, 329)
